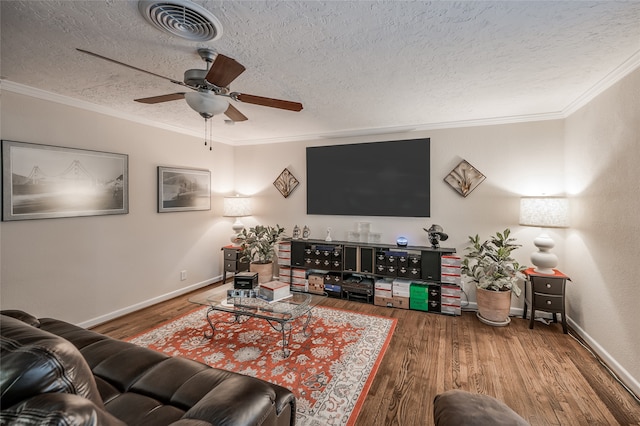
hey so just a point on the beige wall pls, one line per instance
(503, 153)
(602, 152)
(87, 269)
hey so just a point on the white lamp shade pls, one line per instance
(545, 212)
(236, 206)
(206, 103)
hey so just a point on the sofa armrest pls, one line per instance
(22, 316)
(62, 409)
(35, 361)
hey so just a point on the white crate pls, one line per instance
(401, 293)
(300, 287)
(450, 300)
(450, 290)
(383, 293)
(384, 284)
(401, 284)
(451, 260)
(450, 269)
(450, 309)
(451, 278)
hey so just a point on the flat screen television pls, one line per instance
(370, 179)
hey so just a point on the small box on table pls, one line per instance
(245, 280)
(273, 291)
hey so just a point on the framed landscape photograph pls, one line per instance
(44, 181)
(182, 190)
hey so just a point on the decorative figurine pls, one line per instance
(328, 238)
(296, 232)
(305, 232)
(436, 235)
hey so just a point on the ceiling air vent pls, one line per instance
(182, 18)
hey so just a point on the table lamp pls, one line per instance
(236, 207)
(544, 212)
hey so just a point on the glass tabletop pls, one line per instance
(292, 307)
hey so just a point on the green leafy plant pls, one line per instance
(258, 243)
(490, 265)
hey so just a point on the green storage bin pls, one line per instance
(420, 291)
(418, 304)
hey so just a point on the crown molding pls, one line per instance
(21, 89)
(607, 81)
(626, 68)
(409, 129)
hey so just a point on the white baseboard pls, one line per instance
(129, 309)
(624, 376)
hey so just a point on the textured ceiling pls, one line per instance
(358, 67)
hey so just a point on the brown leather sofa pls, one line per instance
(56, 373)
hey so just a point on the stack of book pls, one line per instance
(274, 291)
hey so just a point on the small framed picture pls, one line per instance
(464, 178)
(181, 190)
(286, 183)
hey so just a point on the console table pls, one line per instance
(547, 294)
(374, 272)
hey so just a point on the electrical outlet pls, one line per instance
(183, 275)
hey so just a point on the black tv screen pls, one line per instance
(370, 179)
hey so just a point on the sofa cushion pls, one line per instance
(35, 361)
(53, 409)
(460, 408)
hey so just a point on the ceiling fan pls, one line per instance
(210, 87)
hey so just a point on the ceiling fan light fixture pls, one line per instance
(206, 104)
(181, 18)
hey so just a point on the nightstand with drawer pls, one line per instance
(231, 261)
(547, 293)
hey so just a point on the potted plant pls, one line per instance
(490, 265)
(258, 246)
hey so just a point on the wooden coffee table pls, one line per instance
(280, 315)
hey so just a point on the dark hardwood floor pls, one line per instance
(544, 375)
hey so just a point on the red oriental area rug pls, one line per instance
(330, 371)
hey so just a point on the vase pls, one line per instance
(493, 306)
(264, 270)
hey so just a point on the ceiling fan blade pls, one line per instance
(224, 70)
(234, 114)
(161, 98)
(270, 102)
(131, 66)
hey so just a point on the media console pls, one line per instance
(412, 277)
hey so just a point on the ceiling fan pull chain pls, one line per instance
(208, 135)
(205, 132)
(211, 136)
